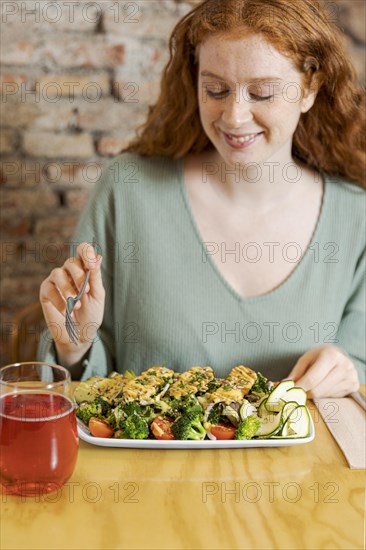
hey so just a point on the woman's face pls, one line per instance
(250, 99)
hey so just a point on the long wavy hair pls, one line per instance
(330, 137)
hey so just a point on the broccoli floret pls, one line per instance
(111, 419)
(191, 406)
(120, 434)
(133, 420)
(174, 406)
(135, 427)
(247, 428)
(104, 405)
(146, 411)
(215, 414)
(162, 407)
(260, 385)
(132, 408)
(99, 408)
(123, 411)
(188, 426)
(118, 414)
(186, 405)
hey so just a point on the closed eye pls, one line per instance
(225, 93)
(217, 95)
(260, 97)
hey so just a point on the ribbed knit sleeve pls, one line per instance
(352, 329)
(96, 222)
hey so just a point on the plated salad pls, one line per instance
(194, 405)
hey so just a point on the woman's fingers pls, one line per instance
(303, 363)
(327, 358)
(53, 306)
(56, 289)
(92, 262)
(333, 379)
(67, 280)
(87, 254)
(340, 381)
(314, 375)
(96, 281)
(76, 272)
(325, 372)
(49, 293)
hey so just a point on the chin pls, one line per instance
(239, 157)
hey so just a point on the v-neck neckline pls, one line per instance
(296, 272)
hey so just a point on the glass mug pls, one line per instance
(38, 433)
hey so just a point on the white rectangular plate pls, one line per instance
(206, 444)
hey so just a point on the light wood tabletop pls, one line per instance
(301, 497)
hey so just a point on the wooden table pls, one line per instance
(303, 497)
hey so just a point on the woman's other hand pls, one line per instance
(88, 313)
(325, 371)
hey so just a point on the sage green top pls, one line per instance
(167, 302)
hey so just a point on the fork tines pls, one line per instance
(70, 325)
(71, 328)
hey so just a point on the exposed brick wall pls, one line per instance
(77, 78)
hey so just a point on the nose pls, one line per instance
(237, 110)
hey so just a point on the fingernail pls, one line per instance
(95, 260)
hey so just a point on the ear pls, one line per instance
(311, 83)
(308, 100)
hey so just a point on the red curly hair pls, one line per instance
(329, 138)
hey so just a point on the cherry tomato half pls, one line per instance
(223, 430)
(100, 428)
(161, 427)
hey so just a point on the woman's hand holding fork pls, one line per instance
(88, 312)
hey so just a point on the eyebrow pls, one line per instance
(255, 80)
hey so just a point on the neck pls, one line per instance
(263, 186)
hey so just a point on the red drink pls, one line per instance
(38, 442)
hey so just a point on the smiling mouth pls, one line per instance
(237, 141)
(242, 138)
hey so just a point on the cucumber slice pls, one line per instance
(297, 423)
(258, 403)
(270, 425)
(275, 407)
(231, 415)
(287, 410)
(246, 410)
(295, 394)
(262, 411)
(273, 401)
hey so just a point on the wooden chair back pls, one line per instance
(26, 332)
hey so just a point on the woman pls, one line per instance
(232, 228)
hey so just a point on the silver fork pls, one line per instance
(70, 325)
